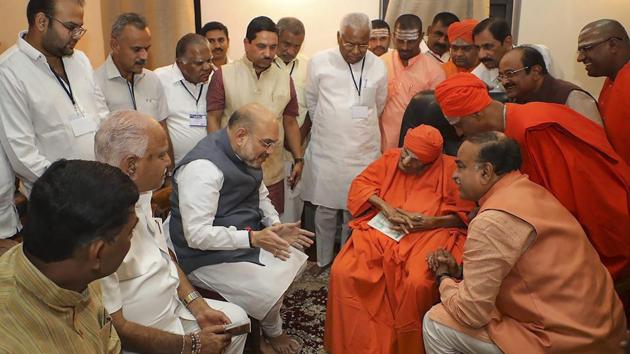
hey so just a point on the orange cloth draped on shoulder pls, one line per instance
(451, 69)
(613, 105)
(380, 289)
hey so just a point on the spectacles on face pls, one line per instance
(510, 74)
(453, 120)
(587, 48)
(76, 31)
(268, 144)
(350, 46)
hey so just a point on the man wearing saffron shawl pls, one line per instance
(380, 288)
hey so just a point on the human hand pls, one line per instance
(418, 221)
(399, 221)
(296, 174)
(442, 262)
(214, 339)
(293, 234)
(268, 240)
(206, 316)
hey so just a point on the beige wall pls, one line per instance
(557, 24)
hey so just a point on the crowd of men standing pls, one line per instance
(245, 143)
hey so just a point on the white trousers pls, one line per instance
(293, 203)
(440, 339)
(328, 221)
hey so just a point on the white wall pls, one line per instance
(320, 17)
(557, 23)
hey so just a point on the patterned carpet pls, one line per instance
(304, 312)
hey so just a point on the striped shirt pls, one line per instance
(37, 316)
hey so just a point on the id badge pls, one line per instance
(360, 112)
(80, 123)
(198, 120)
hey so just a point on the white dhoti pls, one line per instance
(293, 202)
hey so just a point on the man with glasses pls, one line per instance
(50, 104)
(408, 73)
(604, 49)
(523, 73)
(464, 54)
(563, 152)
(346, 90)
(257, 77)
(226, 233)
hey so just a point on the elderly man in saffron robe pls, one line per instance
(380, 288)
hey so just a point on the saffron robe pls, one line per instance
(613, 105)
(451, 69)
(570, 156)
(379, 289)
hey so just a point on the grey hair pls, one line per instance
(129, 18)
(355, 20)
(290, 24)
(122, 133)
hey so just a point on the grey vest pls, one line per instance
(238, 203)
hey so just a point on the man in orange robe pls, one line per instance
(604, 48)
(564, 152)
(379, 288)
(464, 54)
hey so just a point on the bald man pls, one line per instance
(604, 48)
(226, 233)
(464, 53)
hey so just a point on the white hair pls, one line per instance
(355, 20)
(122, 133)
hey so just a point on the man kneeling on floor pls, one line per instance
(147, 294)
(532, 282)
(226, 233)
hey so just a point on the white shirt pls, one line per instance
(342, 143)
(182, 99)
(145, 284)
(9, 218)
(424, 49)
(298, 71)
(199, 184)
(489, 77)
(146, 95)
(38, 122)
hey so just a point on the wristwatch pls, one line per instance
(192, 296)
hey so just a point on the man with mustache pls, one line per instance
(604, 49)
(408, 72)
(123, 78)
(226, 233)
(379, 38)
(464, 54)
(493, 39)
(523, 73)
(257, 77)
(436, 45)
(346, 90)
(185, 83)
(50, 104)
(217, 35)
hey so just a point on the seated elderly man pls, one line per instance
(380, 285)
(531, 282)
(78, 231)
(524, 75)
(225, 231)
(147, 294)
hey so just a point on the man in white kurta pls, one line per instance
(435, 45)
(290, 38)
(185, 83)
(9, 218)
(345, 93)
(50, 105)
(123, 79)
(148, 291)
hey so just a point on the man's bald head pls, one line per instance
(603, 47)
(254, 133)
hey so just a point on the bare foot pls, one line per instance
(285, 344)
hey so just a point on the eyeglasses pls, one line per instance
(510, 74)
(587, 48)
(350, 46)
(453, 120)
(268, 144)
(76, 31)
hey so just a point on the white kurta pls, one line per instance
(489, 77)
(424, 49)
(9, 219)
(146, 96)
(182, 103)
(145, 285)
(341, 145)
(253, 287)
(38, 122)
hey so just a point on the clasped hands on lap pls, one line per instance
(277, 239)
